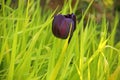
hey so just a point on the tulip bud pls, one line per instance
(62, 24)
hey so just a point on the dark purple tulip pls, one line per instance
(61, 25)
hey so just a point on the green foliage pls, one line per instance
(29, 51)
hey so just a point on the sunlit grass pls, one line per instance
(29, 51)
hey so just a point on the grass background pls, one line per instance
(29, 51)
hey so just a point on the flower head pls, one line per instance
(61, 25)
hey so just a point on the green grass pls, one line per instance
(29, 51)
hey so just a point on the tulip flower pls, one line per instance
(63, 25)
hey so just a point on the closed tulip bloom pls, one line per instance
(62, 24)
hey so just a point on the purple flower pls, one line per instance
(61, 25)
